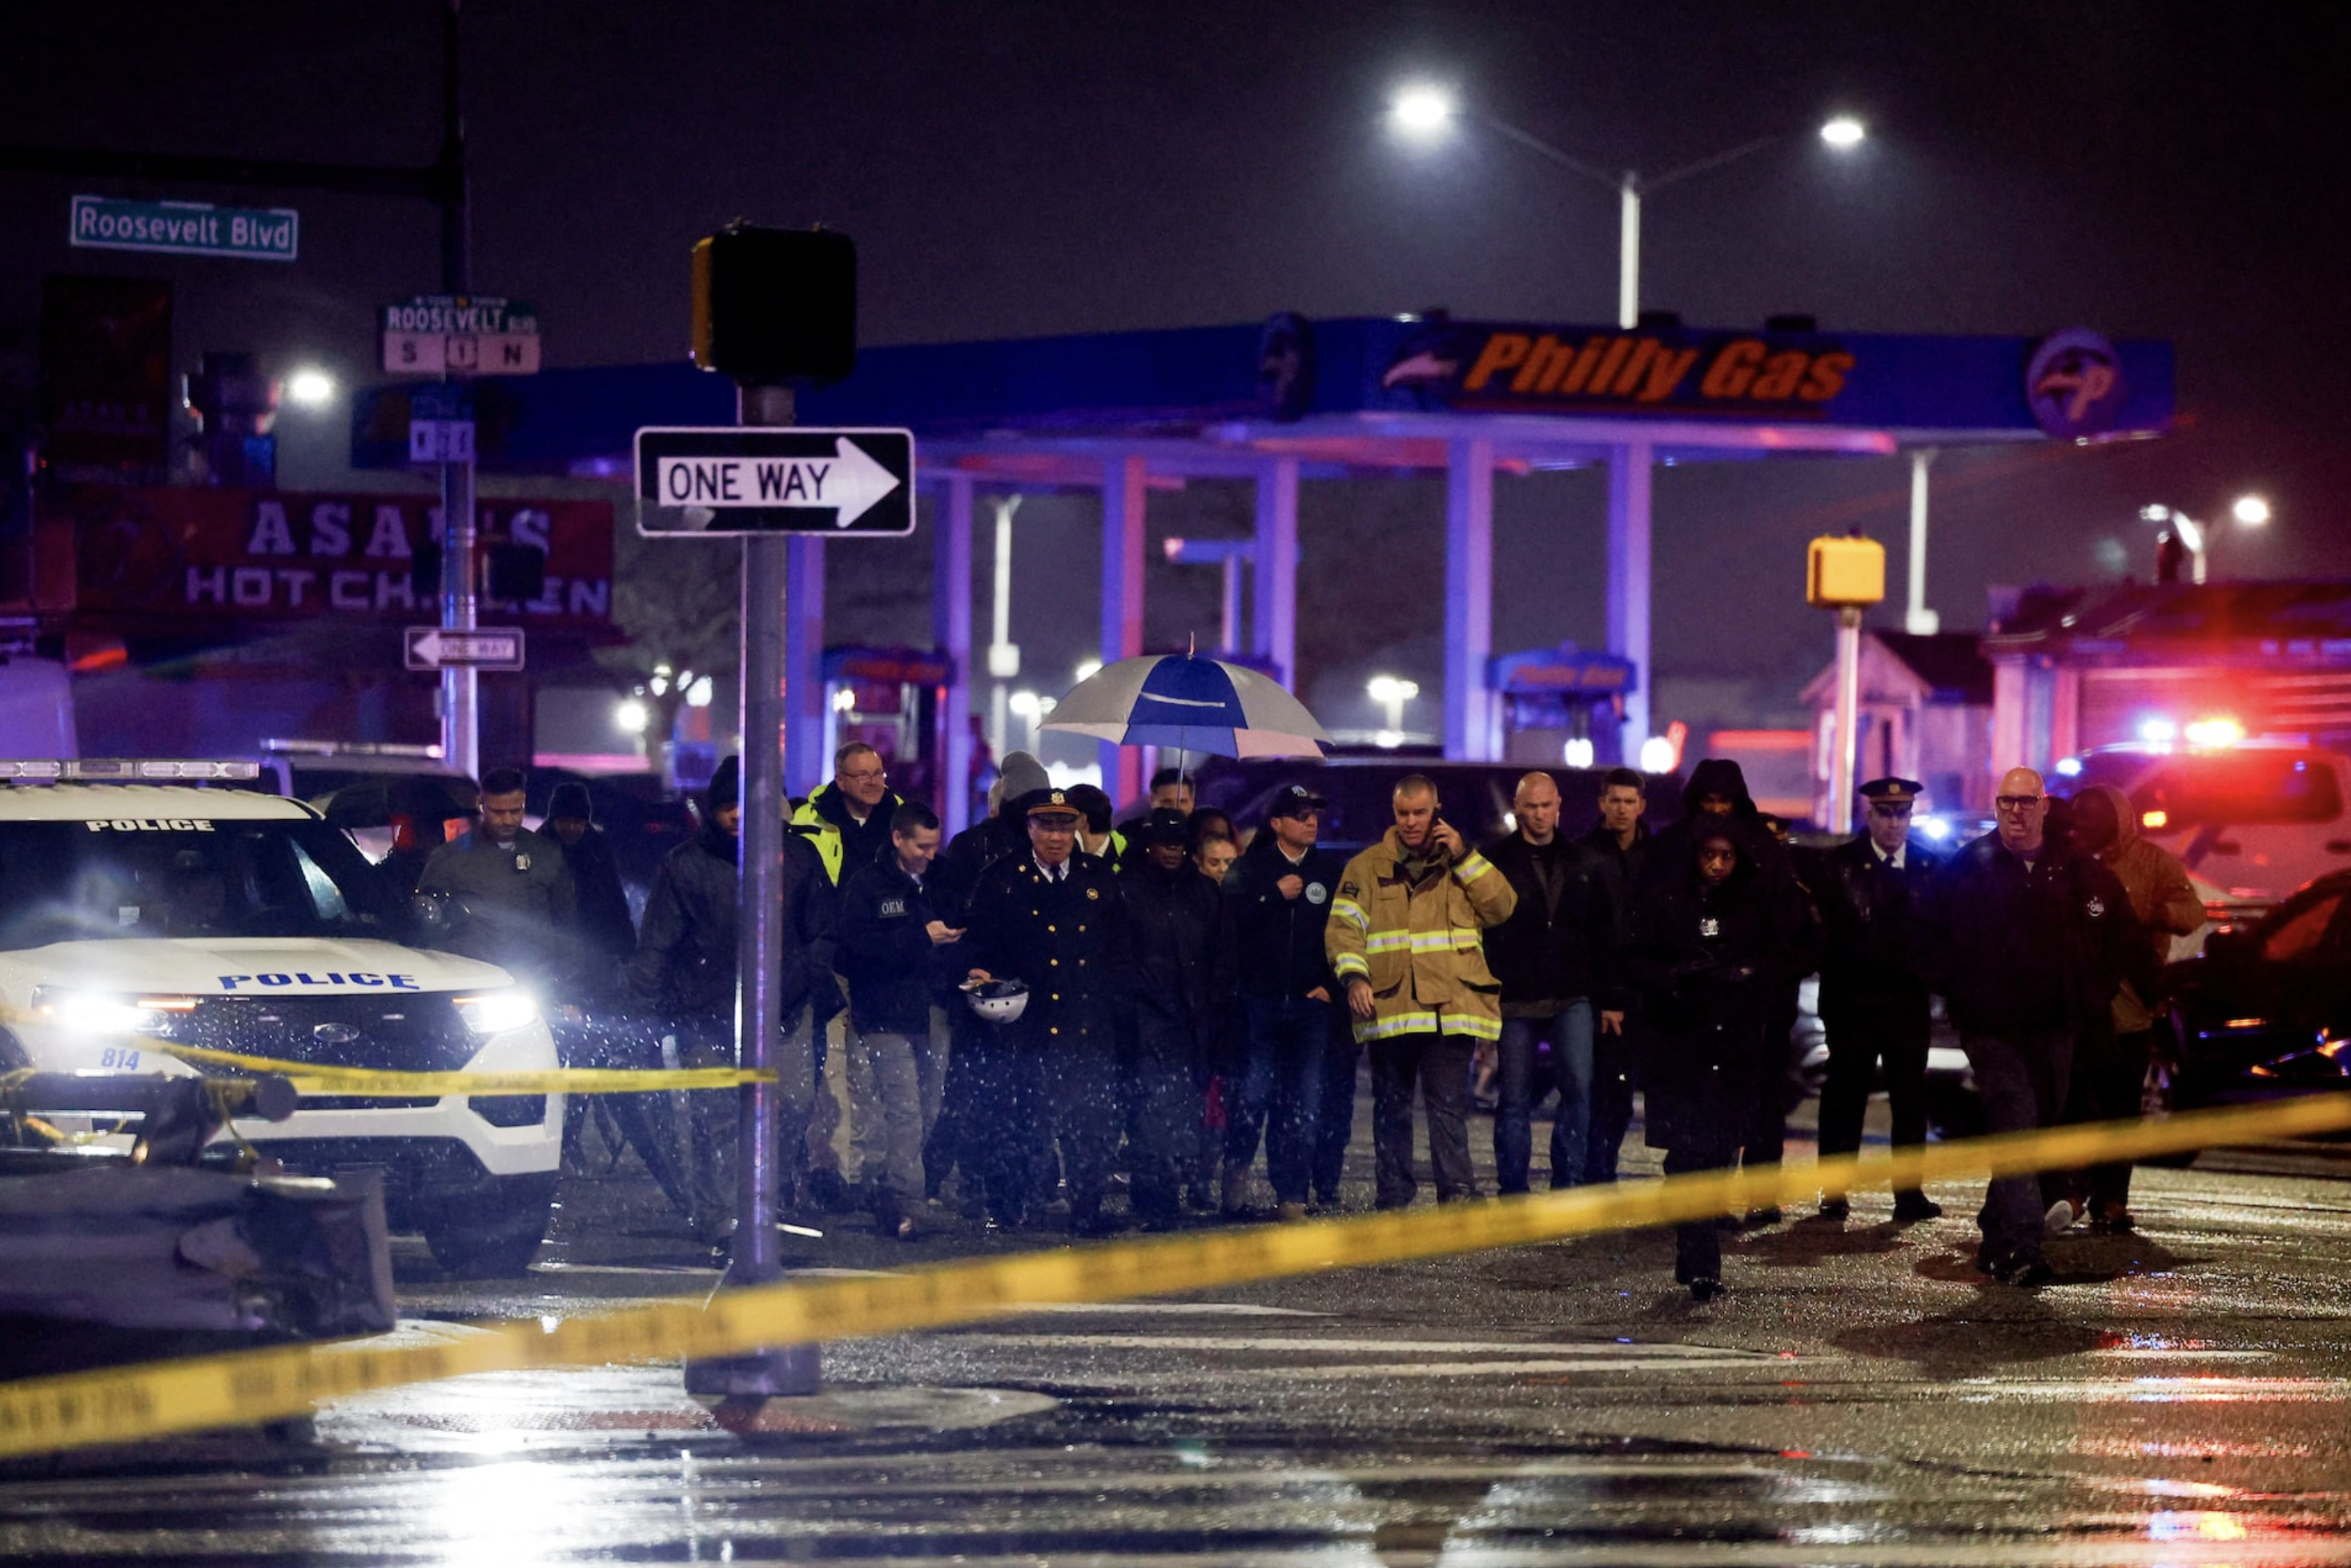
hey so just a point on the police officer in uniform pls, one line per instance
(1873, 1003)
(1052, 919)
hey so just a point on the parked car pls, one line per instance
(2266, 1010)
(2256, 819)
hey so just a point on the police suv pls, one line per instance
(136, 907)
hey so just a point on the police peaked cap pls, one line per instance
(1050, 802)
(1893, 791)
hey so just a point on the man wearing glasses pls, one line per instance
(2028, 943)
(850, 817)
(1873, 1003)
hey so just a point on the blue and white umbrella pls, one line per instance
(1183, 701)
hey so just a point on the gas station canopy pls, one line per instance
(1291, 399)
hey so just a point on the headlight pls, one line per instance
(495, 1012)
(99, 1013)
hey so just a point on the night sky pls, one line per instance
(1019, 169)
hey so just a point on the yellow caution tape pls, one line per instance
(317, 1078)
(84, 1409)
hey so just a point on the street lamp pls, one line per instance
(2246, 512)
(310, 387)
(1391, 693)
(1423, 112)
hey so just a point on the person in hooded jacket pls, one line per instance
(1181, 941)
(1716, 792)
(684, 971)
(2110, 1064)
(1707, 947)
(586, 1033)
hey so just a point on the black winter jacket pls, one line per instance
(686, 950)
(2014, 949)
(1180, 942)
(1708, 962)
(1067, 941)
(1554, 947)
(894, 970)
(601, 920)
(1280, 940)
(1869, 915)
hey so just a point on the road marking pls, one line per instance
(1285, 1344)
(1168, 1309)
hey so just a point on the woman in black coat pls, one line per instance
(1709, 942)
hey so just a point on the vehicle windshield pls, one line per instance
(65, 881)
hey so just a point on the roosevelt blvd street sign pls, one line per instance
(439, 648)
(460, 335)
(740, 480)
(185, 228)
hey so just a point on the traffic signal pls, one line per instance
(774, 306)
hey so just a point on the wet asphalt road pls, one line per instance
(1860, 1396)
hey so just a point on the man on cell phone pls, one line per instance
(1404, 939)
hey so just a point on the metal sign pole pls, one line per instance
(461, 686)
(1848, 720)
(759, 944)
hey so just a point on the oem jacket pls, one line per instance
(1419, 940)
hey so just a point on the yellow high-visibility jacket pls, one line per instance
(1420, 944)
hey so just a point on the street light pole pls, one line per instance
(1423, 111)
(2246, 512)
(1003, 654)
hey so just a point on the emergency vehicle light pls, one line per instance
(126, 769)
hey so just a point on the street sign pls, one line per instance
(440, 441)
(460, 334)
(438, 648)
(757, 480)
(185, 228)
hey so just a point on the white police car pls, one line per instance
(141, 908)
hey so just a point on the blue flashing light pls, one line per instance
(2161, 731)
(2069, 767)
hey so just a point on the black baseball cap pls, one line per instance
(1295, 801)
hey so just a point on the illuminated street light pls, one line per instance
(1392, 693)
(1423, 113)
(2247, 512)
(309, 388)
(631, 716)
(1422, 110)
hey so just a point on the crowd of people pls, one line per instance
(1060, 1003)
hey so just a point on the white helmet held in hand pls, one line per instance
(997, 1002)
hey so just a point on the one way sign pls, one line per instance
(756, 480)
